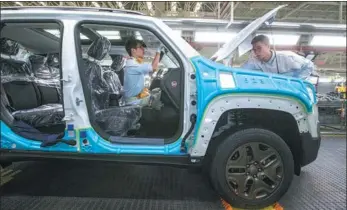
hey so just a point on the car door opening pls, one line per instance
(31, 93)
(102, 61)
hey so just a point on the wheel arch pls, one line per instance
(267, 112)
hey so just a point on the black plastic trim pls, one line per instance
(23, 155)
(97, 128)
(310, 147)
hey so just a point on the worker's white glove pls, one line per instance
(160, 48)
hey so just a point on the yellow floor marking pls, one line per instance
(5, 172)
(276, 206)
(5, 179)
(15, 173)
(7, 175)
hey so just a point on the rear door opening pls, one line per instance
(31, 90)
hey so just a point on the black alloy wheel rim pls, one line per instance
(254, 171)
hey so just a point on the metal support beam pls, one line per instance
(18, 3)
(174, 6)
(232, 8)
(294, 10)
(120, 5)
(109, 4)
(159, 8)
(236, 26)
(197, 6)
(232, 11)
(95, 4)
(341, 12)
(324, 3)
(224, 8)
(150, 8)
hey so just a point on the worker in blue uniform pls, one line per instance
(135, 70)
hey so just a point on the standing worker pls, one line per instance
(286, 63)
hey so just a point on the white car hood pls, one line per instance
(242, 40)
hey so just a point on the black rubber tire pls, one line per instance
(227, 147)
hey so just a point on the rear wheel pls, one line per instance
(252, 168)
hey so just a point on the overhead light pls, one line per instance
(120, 5)
(56, 33)
(339, 80)
(149, 5)
(105, 33)
(112, 35)
(138, 35)
(197, 7)
(18, 3)
(285, 24)
(313, 80)
(283, 39)
(325, 80)
(150, 8)
(329, 41)
(173, 6)
(83, 37)
(95, 4)
(213, 37)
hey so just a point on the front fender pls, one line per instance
(252, 90)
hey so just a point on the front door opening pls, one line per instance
(103, 64)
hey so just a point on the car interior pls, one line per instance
(30, 81)
(104, 80)
(31, 88)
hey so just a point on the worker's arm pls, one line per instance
(156, 59)
(250, 64)
(298, 66)
(136, 68)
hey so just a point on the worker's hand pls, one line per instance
(144, 93)
(160, 48)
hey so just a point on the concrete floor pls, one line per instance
(81, 185)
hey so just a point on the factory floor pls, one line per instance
(70, 185)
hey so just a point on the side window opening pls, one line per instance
(103, 68)
(31, 92)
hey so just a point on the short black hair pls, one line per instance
(133, 43)
(261, 38)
